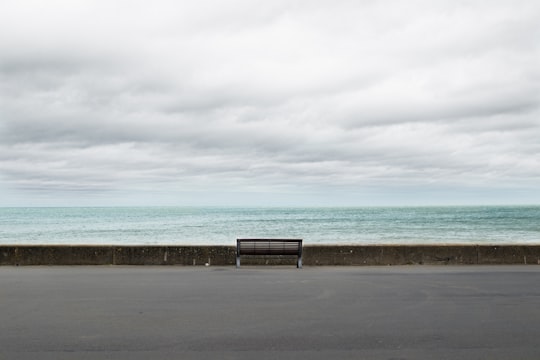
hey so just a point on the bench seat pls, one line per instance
(269, 247)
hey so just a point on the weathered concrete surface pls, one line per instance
(117, 255)
(391, 255)
(509, 255)
(317, 313)
(312, 255)
(174, 255)
(56, 255)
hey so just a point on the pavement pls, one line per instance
(394, 312)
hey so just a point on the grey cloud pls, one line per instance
(301, 95)
(441, 113)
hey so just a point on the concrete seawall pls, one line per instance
(314, 255)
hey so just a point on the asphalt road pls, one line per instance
(410, 312)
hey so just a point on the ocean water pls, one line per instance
(221, 226)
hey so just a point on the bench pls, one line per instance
(269, 247)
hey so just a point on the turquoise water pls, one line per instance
(214, 225)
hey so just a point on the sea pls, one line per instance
(223, 225)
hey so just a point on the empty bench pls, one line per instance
(269, 247)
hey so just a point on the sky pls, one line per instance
(269, 103)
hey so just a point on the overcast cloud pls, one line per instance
(269, 102)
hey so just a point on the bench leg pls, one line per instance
(299, 262)
(237, 261)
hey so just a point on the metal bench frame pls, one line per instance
(269, 247)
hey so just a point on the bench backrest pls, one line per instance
(269, 247)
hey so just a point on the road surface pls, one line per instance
(136, 312)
